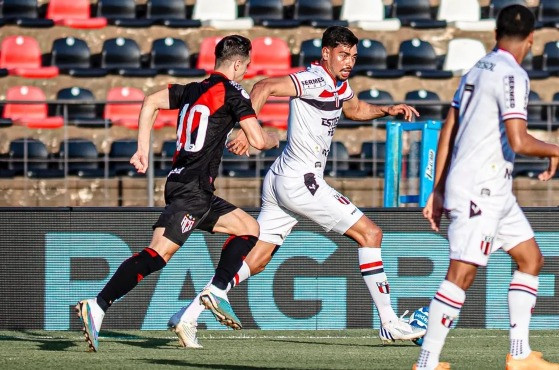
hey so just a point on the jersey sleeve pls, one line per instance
(307, 84)
(513, 96)
(239, 102)
(176, 93)
(458, 95)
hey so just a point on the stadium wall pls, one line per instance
(51, 258)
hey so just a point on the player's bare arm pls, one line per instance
(434, 207)
(523, 143)
(151, 105)
(359, 110)
(256, 136)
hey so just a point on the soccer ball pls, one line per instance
(419, 318)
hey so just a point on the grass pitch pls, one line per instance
(254, 349)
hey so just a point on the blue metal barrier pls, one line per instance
(393, 165)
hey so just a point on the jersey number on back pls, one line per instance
(196, 122)
(466, 98)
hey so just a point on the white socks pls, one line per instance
(372, 270)
(523, 291)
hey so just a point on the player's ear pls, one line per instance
(325, 53)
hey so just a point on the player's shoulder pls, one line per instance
(312, 76)
(235, 88)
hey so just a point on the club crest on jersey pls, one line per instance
(187, 223)
(447, 320)
(240, 88)
(383, 287)
(474, 209)
(485, 245)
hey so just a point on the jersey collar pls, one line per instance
(506, 53)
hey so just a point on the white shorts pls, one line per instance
(481, 225)
(283, 198)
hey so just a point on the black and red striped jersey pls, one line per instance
(208, 111)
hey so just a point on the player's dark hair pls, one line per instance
(515, 21)
(230, 47)
(337, 35)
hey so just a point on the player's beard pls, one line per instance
(340, 77)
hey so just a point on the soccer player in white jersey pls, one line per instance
(484, 129)
(295, 185)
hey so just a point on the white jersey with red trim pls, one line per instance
(494, 90)
(313, 117)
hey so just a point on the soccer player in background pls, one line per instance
(208, 112)
(484, 129)
(294, 185)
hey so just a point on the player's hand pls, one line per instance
(239, 145)
(434, 209)
(275, 139)
(404, 109)
(140, 161)
(551, 169)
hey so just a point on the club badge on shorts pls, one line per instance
(187, 223)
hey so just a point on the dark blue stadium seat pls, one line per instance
(172, 57)
(372, 60)
(379, 97)
(80, 115)
(416, 14)
(496, 5)
(311, 51)
(165, 158)
(550, 57)
(267, 157)
(119, 158)
(537, 114)
(417, 57)
(316, 13)
(268, 13)
(121, 13)
(373, 157)
(82, 158)
(122, 56)
(72, 56)
(528, 166)
(338, 163)
(24, 13)
(529, 65)
(30, 157)
(427, 112)
(237, 165)
(548, 13)
(170, 13)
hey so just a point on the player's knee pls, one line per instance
(249, 227)
(372, 236)
(534, 265)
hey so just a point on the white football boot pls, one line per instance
(185, 329)
(399, 330)
(91, 316)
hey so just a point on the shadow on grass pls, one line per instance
(325, 343)
(44, 344)
(204, 366)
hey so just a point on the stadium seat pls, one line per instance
(418, 57)
(310, 51)
(30, 115)
(415, 13)
(119, 157)
(125, 115)
(377, 97)
(463, 54)
(426, 112)
(537, 114)
(237, 165)
(30, 158)
(72, 56)
(267, 157)
(21, 56)
(528, 166)
(166, 117)
(268, 13)
(222, 17)
(122, 56)
(373, 157)
(550, 57)
(555, 99)
(270, 56)
(274, 113)
(338, 162)
(73, 13)
(165, 158)
(24, 13)
(206, 55)
(368, 15)
(316, 13)
(372, 60)
(548, 13)
(82, 158)
(170, 13)
(172, 57)
(464, 15)
(121, 13)
(495, 6)
(82, 114)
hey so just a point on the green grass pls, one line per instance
(254, 349)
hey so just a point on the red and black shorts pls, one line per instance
(189, 207)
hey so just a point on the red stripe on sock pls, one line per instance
(523, 286)
(151, 252)
(369, 265)
(236, 279)
(231, 237)
(450, 300)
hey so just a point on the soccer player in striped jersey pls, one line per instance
(484, 129)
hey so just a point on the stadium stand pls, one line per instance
(73, 13)
(119, 158)
(373, 156)
(121, 13)
(125, 115)
(170, 13)
(206, 56)
(171, 56)
(24, 13)
(416, 14)
(463, 54)
(496, 5)
(274, 113)
(368, 15)
(21, 56)
(30, 158)
(166, 118)
(537, 114)
(417, 57)
(464, 15)
(316, 13)
(165, 158)
(310, 51)
(81, 157)
(268, 13)
(548, 13)
(426, 112)
(534, 72)
(73, 57)
(80, 115)
(271, 57)
(339, 164)
(550, 57)
(373, 60)
(31, 115)
(122, 56)
(223, 17)
(237, 166)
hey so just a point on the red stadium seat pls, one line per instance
(125, 115)
(274, 113)
(166, 117)
(73, 13)
(270, 56)
(206, 56)
(21, 56)
(29, 114)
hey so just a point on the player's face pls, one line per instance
(340, 60)
(241, 67)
